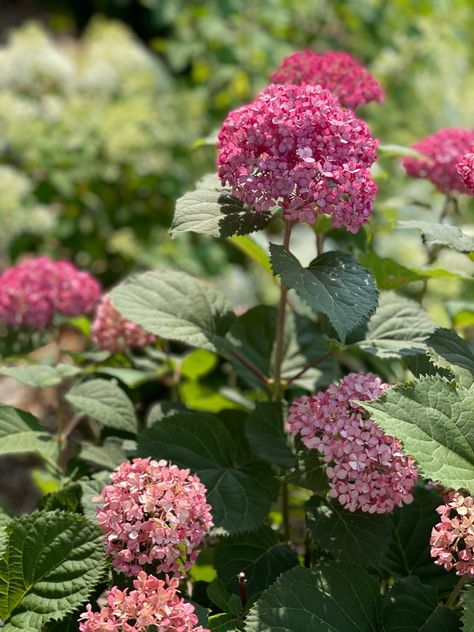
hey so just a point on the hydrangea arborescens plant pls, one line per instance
(153, 514)
(295, 147)
(338, 72)
(278, 467)
(112, 332)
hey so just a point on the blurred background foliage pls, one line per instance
(103, 103)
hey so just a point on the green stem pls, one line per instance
(280, 333)
(453, 597)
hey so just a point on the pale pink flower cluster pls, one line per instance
(338, 72)
(153, 513)
(112, 332)
(153, 604)
(465, 169)
(33, 292)
(367, 469)
(443, 150)
(296, 147)
(452, 539)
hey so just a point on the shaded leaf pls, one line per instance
(40, 376)
(441, 235)
(446, 349)
(264, 431)
(20, 432)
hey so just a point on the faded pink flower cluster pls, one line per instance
(338, 72)
(32, 292)
(152, 603)
(153, 513)
(367, 469)
(296, 147)
(452, 539)
(465, 169)
(444, 150)
(114, 333)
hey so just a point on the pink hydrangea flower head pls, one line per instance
(444, 151)
(452, 539)
(153, 514)
(465, 169)
(367, 469)
(32, 292)
(153, 602)
(295, 147)
(112, 332)
(338, 72)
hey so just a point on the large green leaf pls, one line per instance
(21, 432)
(260, 555)
(334, 597)
(334, 284)
(109, 455)
(359, 537)
(441, 235)
(240, 492)
(264, 431)
(105, 402)
(446, 349)
(310, 470)
(212, 210)
(175, 306)
(433, 420)
(409, 552)
(40, 376)
(252, 335)
(398, 328)
(410, 606)
(468, 610)
(391, 275)
(49, 566)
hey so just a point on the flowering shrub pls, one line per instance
(112, 332)
(336, 71)
(153, 514)
(444, 150)
(291, 446)
(152, 603)
(34, 291)
(295, 147)
(465, 168)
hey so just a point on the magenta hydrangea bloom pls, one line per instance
(338, 72)
(32, 292)
(444, 150)
(367, 469)
(153, 513)
(112, 332)
(452, 539)
(295, 147)
(153, 602)
(465, 169)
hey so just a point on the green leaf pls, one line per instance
(390, 275)
(358, 537)
(175, 306)
(199, 396)
(253, 250)
(398, 328)
(334, 284)
(468, 609)
(446, 349)
(413, 607)
(441, 235)
(212, 210)
(105, 402)
(218, 593)
(310, 471)
(51, 563)
(409, 552)
(223, 623)
(67, 498)
(333, 598)
(198, 363)
(259, 554)
(240, 493)
(40, 376)
(399, 151)
(264, 431)
(108, 455)
(92, 487)
(20, 432)
(433, 420)
(253, 337)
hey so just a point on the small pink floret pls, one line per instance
(153, 513)
(367, 469)
(153, 602)
(465, 169)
